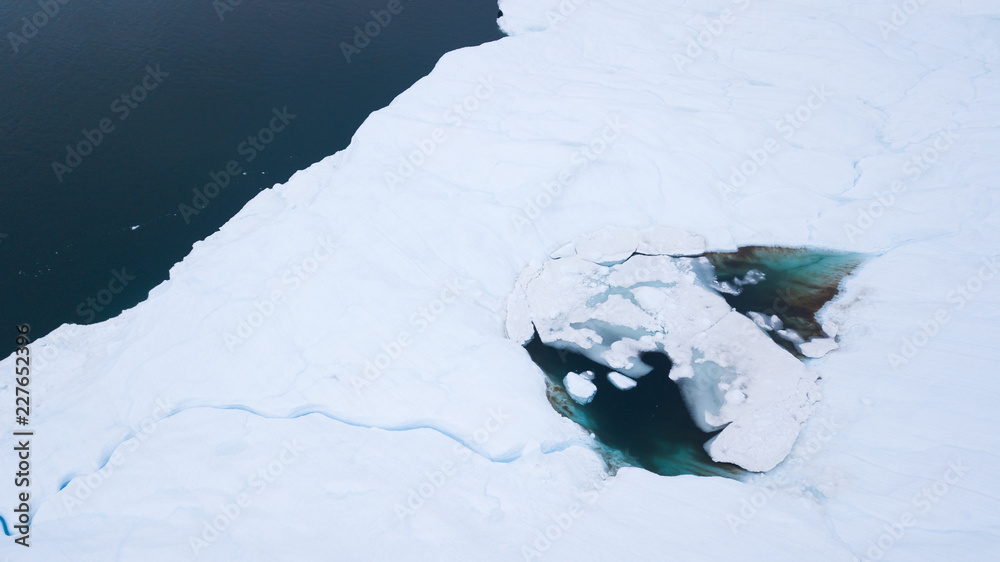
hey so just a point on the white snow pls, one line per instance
(662, 240)
(613, 244)
(579, 387)
(877, 130)
(620, 381)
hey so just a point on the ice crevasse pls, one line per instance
(379, 410)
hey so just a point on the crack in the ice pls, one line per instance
(298, 413)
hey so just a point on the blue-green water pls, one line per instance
(647, 426)
(650, 426)
(797, 283)
(219, 80)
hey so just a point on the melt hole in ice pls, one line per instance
(727, 326)
(648, 426)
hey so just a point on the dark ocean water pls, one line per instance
(196, 85)
(648, 426)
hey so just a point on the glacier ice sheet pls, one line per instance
(905, 430)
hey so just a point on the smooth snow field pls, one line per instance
(339, 373)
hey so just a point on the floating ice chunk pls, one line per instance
(817, 347)
(760, 320)
(620, 381)
(830, 329)
(624, 355)
(792, 336)
(765, 322)
(579, 388)
(752, 277)
(735, 287)
(589, 375)
(776, 322)
(754, 442)
(725, 288)
(775, 393)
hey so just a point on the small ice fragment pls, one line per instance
(725, 288)
(792, 336)
(135, 227)
(760, 320)
(752, 277)
(772, 323)
(776, 322)
(589, 375)
(580, 389)
(620, 381)
(817, 347)
(830, 329)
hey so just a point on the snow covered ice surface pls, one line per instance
(328, 376)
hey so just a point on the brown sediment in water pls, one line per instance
(797, 299)
(559, 398)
